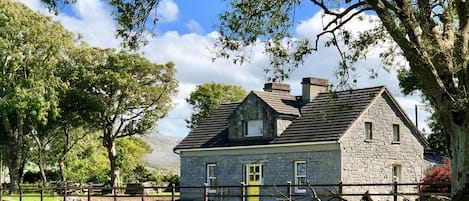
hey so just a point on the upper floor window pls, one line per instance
(253, 128)
(396, 135)
(368, 131)
(300, 176)
(212, 177)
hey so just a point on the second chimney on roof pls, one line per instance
(312, 86)
(277, 87)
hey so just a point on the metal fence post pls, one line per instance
(242, 191)
(205, 192)
(289, 190)
(173, 191)
(394, 194)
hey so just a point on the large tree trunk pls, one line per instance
(62, 169)
(460, 162)
(112, 154)
(15, 144)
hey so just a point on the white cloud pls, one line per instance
(168, 11)
(194, 27)
(192, 56)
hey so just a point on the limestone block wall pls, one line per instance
(323, 167)
(371, 161)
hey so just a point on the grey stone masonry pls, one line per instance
(322, 161)
(252, 108)
(372, 161)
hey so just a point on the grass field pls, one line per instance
(36, 197)
(31, 198)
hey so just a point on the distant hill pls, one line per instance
(163, 156)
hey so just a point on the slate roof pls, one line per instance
(212, 131)
(326, 118)
(281, 103)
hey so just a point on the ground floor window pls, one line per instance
(212, 177)
(300, 176)
(396, 173)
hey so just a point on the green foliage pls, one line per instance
(247, 21)
(88, 161)
(131, 157)
(208, 96)
(134, 18)
(31, 47)
(438, 138)
(161, 177)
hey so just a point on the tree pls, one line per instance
(129, 94)
(209, 96)
(31, 45)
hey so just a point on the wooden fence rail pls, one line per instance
(92, 191)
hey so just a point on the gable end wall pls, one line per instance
(372, 161)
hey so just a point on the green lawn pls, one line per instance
(31, 198)
(36, 197)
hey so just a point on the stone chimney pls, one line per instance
(312, 86)
(277, 87)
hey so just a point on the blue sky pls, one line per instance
(185, 36)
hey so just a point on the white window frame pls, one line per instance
(253, 128)
(370, 135)
(299, 189)
(396, 173)
(396, 133)
(210, 178)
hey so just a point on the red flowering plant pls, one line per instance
(439, 177)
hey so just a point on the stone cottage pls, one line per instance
(272, 137)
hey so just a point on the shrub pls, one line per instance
(439, 176)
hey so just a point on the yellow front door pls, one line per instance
(254, 175)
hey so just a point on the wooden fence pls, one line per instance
(239, 192)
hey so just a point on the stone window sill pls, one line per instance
(396, 142)
(369, 141)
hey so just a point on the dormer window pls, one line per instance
(253, 128)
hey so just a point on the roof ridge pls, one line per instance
(357, 89)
